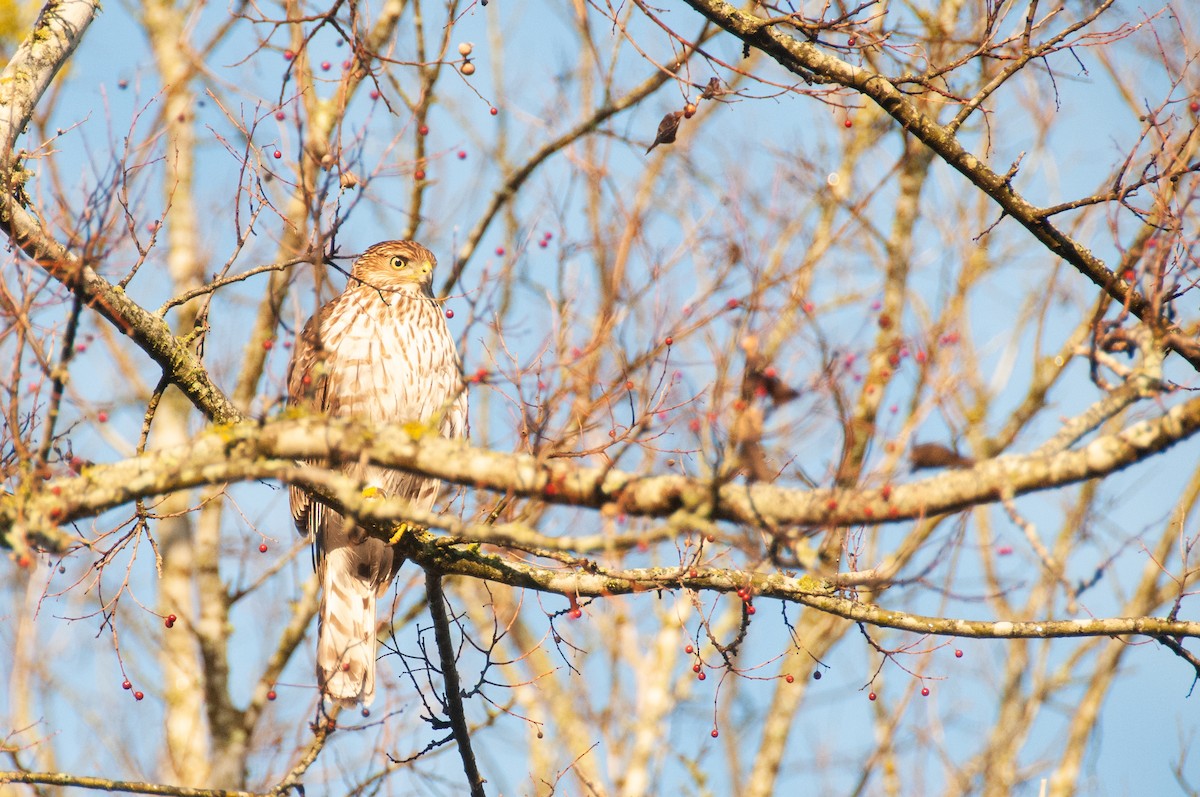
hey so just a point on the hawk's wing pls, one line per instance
(307, 385)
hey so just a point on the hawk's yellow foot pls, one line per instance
(403, 529)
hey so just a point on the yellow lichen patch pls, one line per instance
(371, 491)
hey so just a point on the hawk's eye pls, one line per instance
(399, 262)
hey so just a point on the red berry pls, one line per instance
(732, 304)
(419, 174)
(575, 613)
(262, 548)
(345, 64)
(714, 733)
(629, 385)
(271, 695)
(493, 111)
(925, 691)
(499, 251)
(851, 41)
(268, 344)
(138, 695)
(325, 65)
(122, 84)
(288, 55)
(171, 618)
(280, 116)
(848, 123)
(374, 94)
(669, 341)
(788, 678)
(1194, 107)
(695, 668)
(689, 650)
(871, 696)
(345, 666)
(102, 417)
(366, 712)
(958, 654)
(462, 155)
(749, 609)
(169, 623)
(548, 235)
(449, 313)
(701, 676)
(542, 244)
(277, 154)
(423, 130)
(126, 685)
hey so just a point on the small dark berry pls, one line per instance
(714, 733)
(816, 675)
(871, 696)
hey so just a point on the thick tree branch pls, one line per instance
(270, 450)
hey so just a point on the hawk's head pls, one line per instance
(396, 265)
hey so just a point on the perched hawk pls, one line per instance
(380, 352)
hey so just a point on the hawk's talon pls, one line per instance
(403, 529)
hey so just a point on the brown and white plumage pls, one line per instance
(381, 352)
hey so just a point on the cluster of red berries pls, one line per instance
(169, 622)
(747, 595)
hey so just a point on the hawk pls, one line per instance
(380, 352)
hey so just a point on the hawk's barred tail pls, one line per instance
(346, 635)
